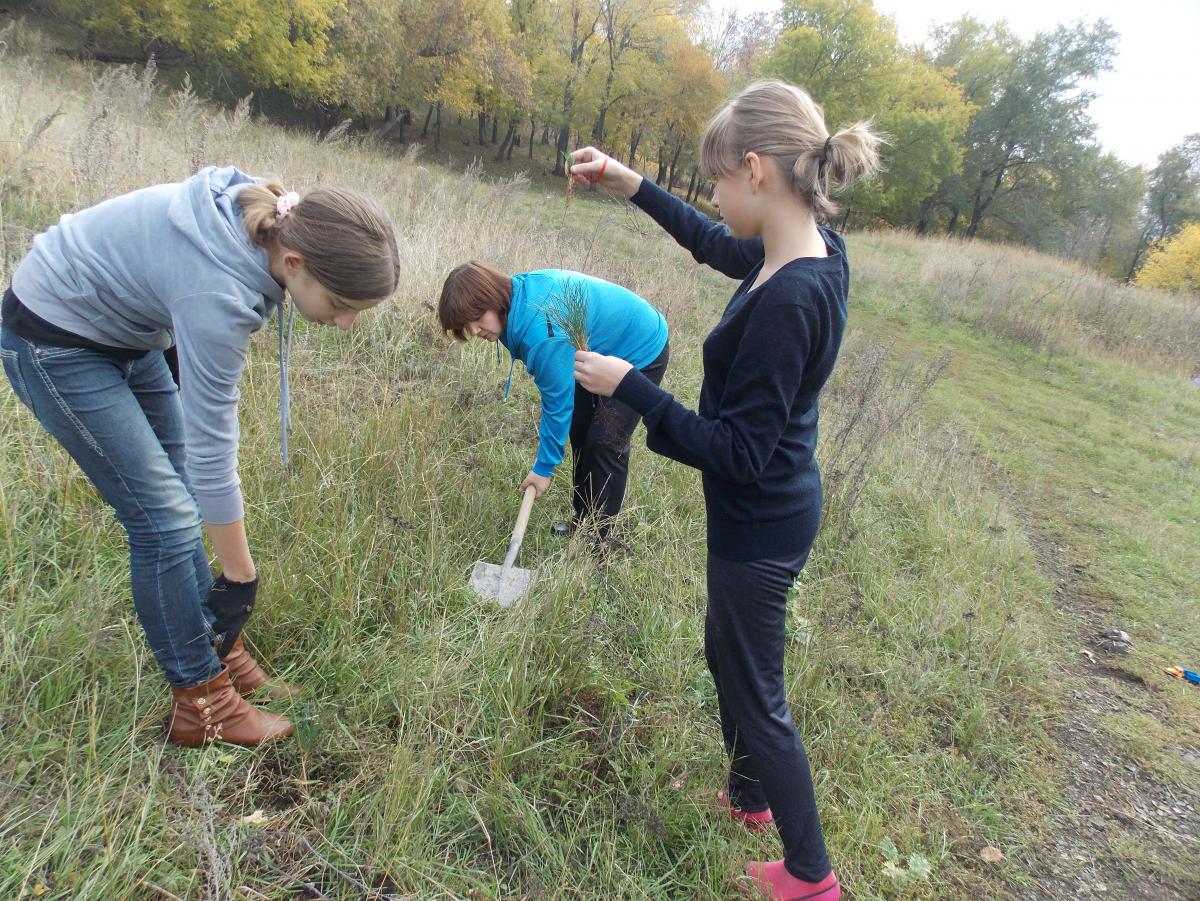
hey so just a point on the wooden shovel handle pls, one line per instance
(518, 534)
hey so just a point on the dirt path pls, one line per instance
(1121, 833)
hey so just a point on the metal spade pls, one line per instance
(506, 583)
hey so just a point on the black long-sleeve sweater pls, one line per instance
(765, 363)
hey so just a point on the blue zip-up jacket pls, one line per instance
(619, 324)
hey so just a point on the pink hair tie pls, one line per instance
(285, 204)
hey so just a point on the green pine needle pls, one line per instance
(567, 311)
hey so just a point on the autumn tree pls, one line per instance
(443, 53)
(737, 42)
(1172, 196)
(1031, 117)
(271, 43)
(575, 33)
(849, 58)
(1096, 206)
(1174, 265)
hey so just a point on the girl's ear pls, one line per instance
(755, 164)
(293, 262)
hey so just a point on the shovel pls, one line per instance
(506, 583)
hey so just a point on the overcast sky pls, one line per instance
(1147, 104)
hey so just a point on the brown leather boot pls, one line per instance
(247, 676)
(215, 711)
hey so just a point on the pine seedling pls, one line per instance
(568, 162)
(567, 312)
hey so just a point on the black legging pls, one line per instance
(744, 640)
(601, 428)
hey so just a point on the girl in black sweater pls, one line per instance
(754, 436)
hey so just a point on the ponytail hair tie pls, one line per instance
(825, 149)
(285, 204)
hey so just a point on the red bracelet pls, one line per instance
(600, 174)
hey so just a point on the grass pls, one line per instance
(568, 748)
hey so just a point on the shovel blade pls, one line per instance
(504, 586)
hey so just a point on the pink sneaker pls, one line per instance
(772, 880)
(756, 821)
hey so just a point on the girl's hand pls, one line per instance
(539, 483)
(595, 168)
(600, 374)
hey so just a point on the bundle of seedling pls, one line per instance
(567, 312)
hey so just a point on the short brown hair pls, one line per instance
(346, 238)
(470, 290)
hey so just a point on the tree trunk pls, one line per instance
(328, 115)
(532, 129)
(635, 138)
(495, 126)
(428, 116)
(662, 165)
(394, 119)
(437, 131)
(691, 191)
(981, 205)
(598, 127)
(1142, 244)
(560, 156)
(674, 166)
(953, 221)
(507, 144)
(482, 126)
(925, 216)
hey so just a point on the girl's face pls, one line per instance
(488, 326)
(314, 301)
(736, 199)
(744, 194)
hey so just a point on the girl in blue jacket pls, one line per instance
(201, 264)
(521, 312)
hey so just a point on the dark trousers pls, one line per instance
(744, 638)
(601, 429)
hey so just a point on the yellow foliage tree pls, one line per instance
(273, 43)
(1175, 264)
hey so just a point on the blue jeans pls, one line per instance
(122, 422)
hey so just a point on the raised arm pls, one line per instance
(708, 242)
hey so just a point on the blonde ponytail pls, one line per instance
(258, 210)
(780, 120)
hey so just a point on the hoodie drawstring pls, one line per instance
(285, 400)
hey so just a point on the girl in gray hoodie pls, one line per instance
(201, 264)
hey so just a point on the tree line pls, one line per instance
(989, 134)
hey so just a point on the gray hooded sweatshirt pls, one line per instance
(168, 262)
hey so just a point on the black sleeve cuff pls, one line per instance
(639, 393)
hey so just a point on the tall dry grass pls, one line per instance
(1044, 303)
